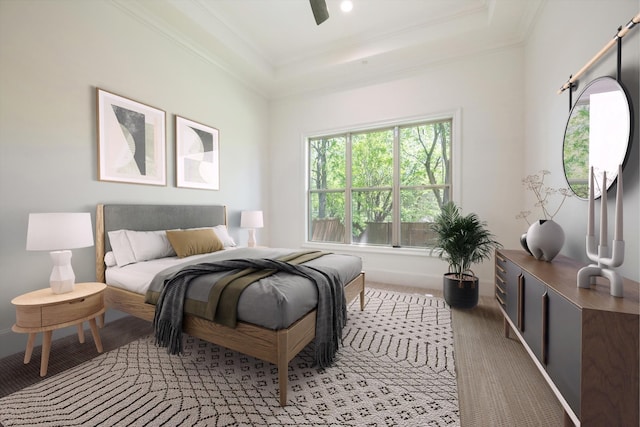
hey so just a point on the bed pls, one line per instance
(272, 343)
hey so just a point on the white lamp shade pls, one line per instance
(58, 231)
(251, 219)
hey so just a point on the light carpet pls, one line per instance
(395, 367)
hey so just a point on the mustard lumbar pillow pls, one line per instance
(194, 242)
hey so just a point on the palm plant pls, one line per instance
(463, 240)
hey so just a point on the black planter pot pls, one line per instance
(460, 294)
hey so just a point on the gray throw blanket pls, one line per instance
(331, 313)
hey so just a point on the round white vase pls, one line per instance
(545, 238)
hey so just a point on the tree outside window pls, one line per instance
(381, 186)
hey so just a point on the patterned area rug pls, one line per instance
(395, 367)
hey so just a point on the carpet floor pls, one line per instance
(396, 367)
(498, 384)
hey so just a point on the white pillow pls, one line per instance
(121, 247)
(147, 245)
(134, 246)
(110, 259)
(223, 234)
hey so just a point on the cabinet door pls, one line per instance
(512, 298)
(564, 347)
(532, 313)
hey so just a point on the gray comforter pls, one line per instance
(331, 307)
(274, 302)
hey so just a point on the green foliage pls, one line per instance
(424, 175)
(372, 168)
(327, 163)
(576, 150)
(372, 159)
(464, 240)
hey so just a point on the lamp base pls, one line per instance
(62, 277)
(252, 238)
(62, 287)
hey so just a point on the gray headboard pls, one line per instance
(148, 218)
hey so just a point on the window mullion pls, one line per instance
(395, 211)
(347, 193)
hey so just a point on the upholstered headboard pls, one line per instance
(149, 218)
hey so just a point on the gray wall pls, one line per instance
(566, 36)
(53, 54)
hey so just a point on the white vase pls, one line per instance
(545, 238)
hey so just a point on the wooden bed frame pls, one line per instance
(274, 346)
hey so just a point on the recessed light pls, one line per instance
(346, 6)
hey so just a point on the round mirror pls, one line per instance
(598, 134)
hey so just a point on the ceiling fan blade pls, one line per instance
(320, 12)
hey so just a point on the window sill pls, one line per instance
(338, 247)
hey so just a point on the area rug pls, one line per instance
(395, 367)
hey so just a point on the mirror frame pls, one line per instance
(581, 190)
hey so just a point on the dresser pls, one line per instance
(585, 342)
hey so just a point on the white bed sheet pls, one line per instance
(137, 277)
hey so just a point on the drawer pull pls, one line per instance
(521, 302)
(545, 326)
(77, 301)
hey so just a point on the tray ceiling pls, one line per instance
(276, 48)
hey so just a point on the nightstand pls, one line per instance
(44, 311)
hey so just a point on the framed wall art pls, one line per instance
(131, 141)
(197, 155)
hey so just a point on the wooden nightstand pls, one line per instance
(44, 311)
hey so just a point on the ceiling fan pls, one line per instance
(320, 12)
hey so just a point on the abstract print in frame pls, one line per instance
(131, 141)
(197, 155)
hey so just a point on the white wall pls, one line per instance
(52, 56)
(512, 126)
(567, 35)
(486, 88)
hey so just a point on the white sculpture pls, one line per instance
(587, 275)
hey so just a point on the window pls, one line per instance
(379, 186)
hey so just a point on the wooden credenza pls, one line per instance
(585, 342)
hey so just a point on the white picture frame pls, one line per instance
(197, 155)
(131, 141)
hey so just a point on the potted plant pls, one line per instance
(463, 241)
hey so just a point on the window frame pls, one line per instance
(456, 172)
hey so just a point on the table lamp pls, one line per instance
(251, 220)
(58, 233)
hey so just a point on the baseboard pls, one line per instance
(428, 281)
